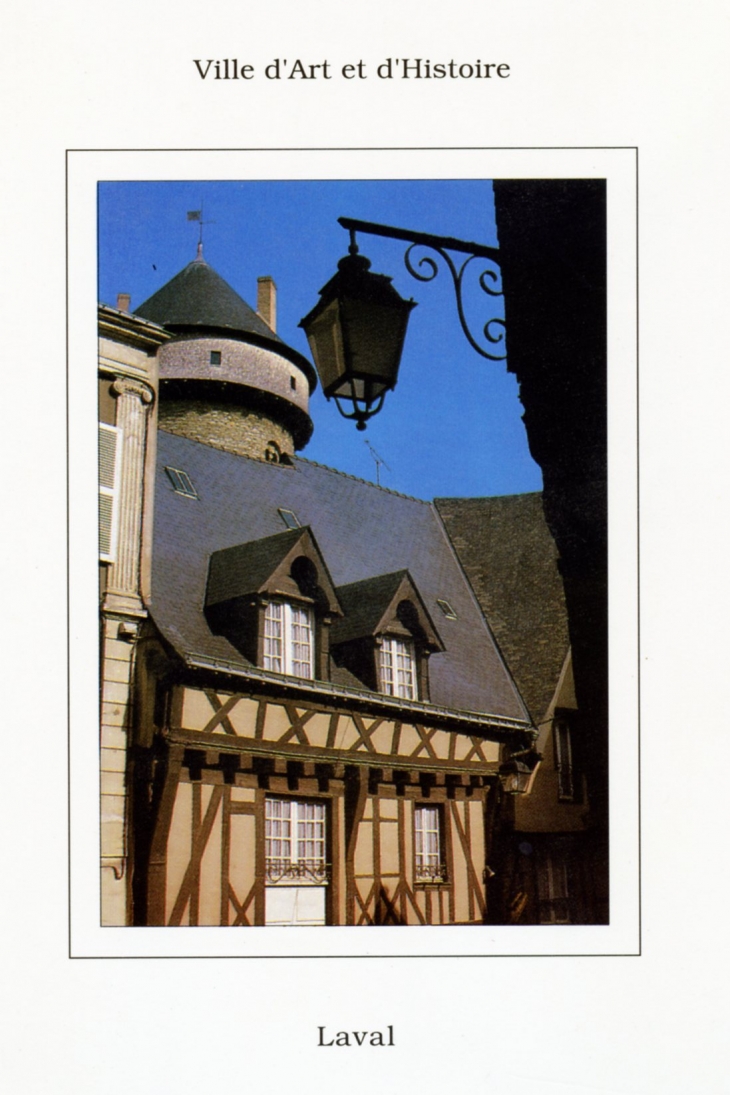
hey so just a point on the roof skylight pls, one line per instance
(181, 482)
(290, 518)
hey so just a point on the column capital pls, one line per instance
(124, 385)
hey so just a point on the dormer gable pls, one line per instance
(286, 568)
(385, 604)
(271, 567)
(384, 609)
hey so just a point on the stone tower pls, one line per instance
(226, 379)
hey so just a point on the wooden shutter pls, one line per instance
(109, 449)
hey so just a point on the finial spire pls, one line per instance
(197, 215)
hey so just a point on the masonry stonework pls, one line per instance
(222, 426)
(236, 363)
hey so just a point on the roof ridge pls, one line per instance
(486, 497)
(379, 577)
(358, 479)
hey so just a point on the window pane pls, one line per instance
(289, 640)
(278, 837)
(274, 638)
(295, 841)
(564, 760)
(397, 668)
(301, 642)
(386, 668)
(429, 865)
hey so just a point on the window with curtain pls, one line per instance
(296, 841)
(398, 668)
(429, 865)
(289, 639)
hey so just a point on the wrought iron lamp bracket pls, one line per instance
(427, 268)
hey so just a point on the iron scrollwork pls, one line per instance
(426, 268)
(312, 873)
(490, 282)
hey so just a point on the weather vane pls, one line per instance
(197, 216)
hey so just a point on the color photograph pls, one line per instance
(353, 553)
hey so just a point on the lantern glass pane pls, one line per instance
(373, 337)
(324, 335)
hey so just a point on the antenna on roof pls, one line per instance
(197, 216)
(378, 461)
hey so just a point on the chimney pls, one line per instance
(266, 301)
(123, 302)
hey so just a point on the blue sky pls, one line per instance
(452, 427)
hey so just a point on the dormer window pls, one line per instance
(289, 639)
(398, 668)
(386, 635)
(274, 600)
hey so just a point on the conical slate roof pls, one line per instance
(198, 297)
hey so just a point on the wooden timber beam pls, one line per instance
(285, 751)
(157, 862)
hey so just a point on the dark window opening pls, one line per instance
(564, 761)
(304, 573)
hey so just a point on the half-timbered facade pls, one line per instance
(348, 784)
(274, 812)
(319, 707)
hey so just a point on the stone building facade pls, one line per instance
(128, 388)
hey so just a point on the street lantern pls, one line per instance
(357, 329)
(516, 771)
(356, 333)
(515, 777)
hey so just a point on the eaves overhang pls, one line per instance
(130, 329)
(498, 728)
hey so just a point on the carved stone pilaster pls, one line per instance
(123, 585)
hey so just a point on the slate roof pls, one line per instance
(248, 566)
(363, 532)
(365, 604)
(510, 559)
(199, 297)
